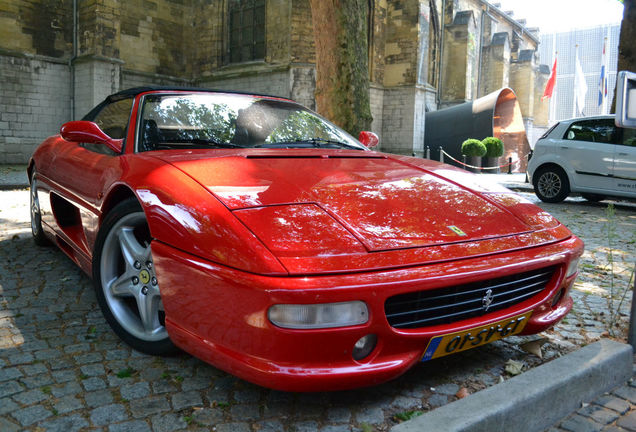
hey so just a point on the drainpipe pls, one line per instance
(480, 50)
(71, 62)
(441, 53)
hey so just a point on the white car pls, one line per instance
(588, 155)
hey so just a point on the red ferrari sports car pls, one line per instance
(259, 237)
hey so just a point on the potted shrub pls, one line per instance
(473, 149)
(494, 150)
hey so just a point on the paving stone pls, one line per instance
(370, 415)
(65, 375)
(10, 373)
(8, 388)
(30, 397)
(108, 414)
(130, 426)
(67, 404)
(208, 416)
(134, 391)
(37, 380)
(245, 412)
(626, 392)
(614, 403)
(247, 396)
(165, 386)
(405, 403)
(95, 369)
(339, 415)
(186, 400)
(437, 400)
(628, 421)
(447, 389)
(577, 423)
(168, 423)
(270, 426)
(601, 415)
(238, 427)
(142, 408)
(69, 388)
(94, 383)
(70, 423)
(8, 426)
(98, 398)
(30, 415)
(336, 428)
(7, 405)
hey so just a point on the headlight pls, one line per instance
(573, 267)
(316, 316)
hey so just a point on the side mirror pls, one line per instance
(626, 100)
(369, 139)
(89, 132)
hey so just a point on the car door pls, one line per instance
(589, 147)
(84, 170)
(625, 163)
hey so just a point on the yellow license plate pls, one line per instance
(453, 343)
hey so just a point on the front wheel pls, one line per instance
(125, 282)
(551, 184)
(36, 214)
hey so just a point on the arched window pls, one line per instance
(246, 30)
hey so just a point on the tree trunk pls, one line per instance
(626, 43)
(342, 67)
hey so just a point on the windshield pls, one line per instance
(234, 121)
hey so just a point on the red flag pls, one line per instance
(549, 87)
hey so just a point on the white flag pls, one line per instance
(580, 87)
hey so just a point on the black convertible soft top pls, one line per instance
(134, 91)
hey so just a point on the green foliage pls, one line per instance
(494, 147)
(407, 415)
(473, 147)
(125, 373)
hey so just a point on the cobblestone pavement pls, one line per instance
(62, 368)
(612, 412)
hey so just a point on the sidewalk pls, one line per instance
(13, 177)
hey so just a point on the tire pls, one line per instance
(125, 282)
(551, 184)
(36, 214)
(593, 197)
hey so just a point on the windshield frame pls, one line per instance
(350, 143)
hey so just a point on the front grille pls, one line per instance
(456, 303)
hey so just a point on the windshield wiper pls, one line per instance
(203, 142)
(309, 143)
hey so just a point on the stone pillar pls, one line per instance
(522, 81)
(541, 107)
(97, 68)
(459, 74)
(496, 64)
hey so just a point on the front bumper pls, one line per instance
(219, 315)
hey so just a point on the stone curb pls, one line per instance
(537, 399)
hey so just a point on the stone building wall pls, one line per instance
(34, 102)
(179, 42)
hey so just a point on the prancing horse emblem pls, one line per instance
(487, 300)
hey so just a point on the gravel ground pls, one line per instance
(62, 368)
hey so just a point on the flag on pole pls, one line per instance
(580, 87)
(549, 87)
(602, 83)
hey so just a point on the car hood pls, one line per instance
(384, 202)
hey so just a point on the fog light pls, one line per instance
(316, 316)
(557, 297)
(573, 267)
(364, 346)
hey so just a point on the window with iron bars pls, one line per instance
(246, 30)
